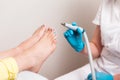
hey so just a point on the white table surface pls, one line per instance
(74, 75)
(27, 75)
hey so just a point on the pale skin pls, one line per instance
(96, 47)
(95, 44)
(24, 45)
(32, 53)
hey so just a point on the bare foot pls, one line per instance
(24, 45)
(32, 40)
(43, 48)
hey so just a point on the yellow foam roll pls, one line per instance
(8, 69)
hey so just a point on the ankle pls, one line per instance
(18, 50)
(24, 61)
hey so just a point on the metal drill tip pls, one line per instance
(63, 24)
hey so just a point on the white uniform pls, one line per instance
(108, 17)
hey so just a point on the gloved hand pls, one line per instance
(75, 38)
(101, 76)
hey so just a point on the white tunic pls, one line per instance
(108, 17)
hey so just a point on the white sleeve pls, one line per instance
(97, 19)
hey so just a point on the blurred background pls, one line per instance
(20, 18)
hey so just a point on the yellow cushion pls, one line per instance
(8, 69)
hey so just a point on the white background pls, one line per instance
(20, 18)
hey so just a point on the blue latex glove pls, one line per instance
(101, 76)
(75, 38)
